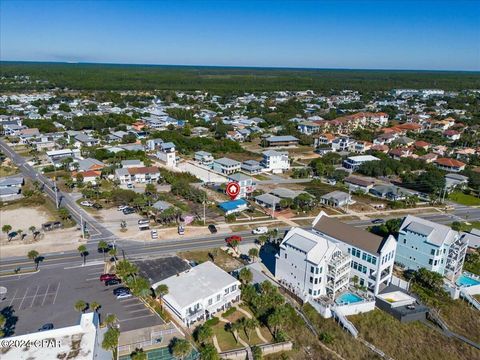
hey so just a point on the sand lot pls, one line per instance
(47, 242)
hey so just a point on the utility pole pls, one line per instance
(273, 210)
(82, 227)
(204, 204)
(56, 191)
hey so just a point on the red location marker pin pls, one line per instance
(233, 189)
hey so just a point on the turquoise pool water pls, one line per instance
(465, 280)
(348, 298)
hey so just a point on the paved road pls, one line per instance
(97, 231)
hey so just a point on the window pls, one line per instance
(316, 271)
(234, 287)
(364, 256)
(310, 291)
(210, 301)
(312, 270)
(311, 279)
(285, 256)
(430, 261)
(435, 263)
(218, 297)
(432, 252)
(374, 260)
(316, 281)
(404, 241)
(227, 290)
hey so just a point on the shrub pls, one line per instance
(212, 322)
(230, 311)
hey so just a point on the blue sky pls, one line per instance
(441, 35)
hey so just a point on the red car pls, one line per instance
(233, 238)
(106, 277)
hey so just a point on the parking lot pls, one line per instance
(49, 297)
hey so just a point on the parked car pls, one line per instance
(124, 295)
(378, 221)
(128, 210)
(97, 206)
(122, 207)
(121, 289)
(86, 203)
(110, 246)
(113, 282)
(154, 234)
(45, 327)
(130, 186)
(143, 221)
(260, 230)
(106, 277)
(181, 230)
(212, 229)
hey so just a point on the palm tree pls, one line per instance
(160, 291)
(181, 348)
(138, 354)
(32, 230)
(262, 239)
(6, 229)
(113, 253)
(82, 249)
(232, 328)
(209, 352)
(103, 247)
(249, 325)
(35, 256)
(140, 286)
(95, 306)
(110, 319)
(20, 232)
(80, 305)
(253, 253)
(110, 340)
(245, 275)
(204, 333)
(256, 352)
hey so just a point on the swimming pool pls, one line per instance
(465, 281)
(348, 298)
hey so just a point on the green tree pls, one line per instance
(160, 291)
(257, 353)
(110, 319)
(35, 256)
(203, 333)
(181, 348)
(82, 249)
(138, 354)
(95, 306)
(253, 253)
(103, 247)
(6, 229)
(63, 213)
(245, 275)
(110, 340)
(209, 352)
(80, 305)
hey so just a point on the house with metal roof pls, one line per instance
(336, 199)
(235, 206)
(435, 247)
(226, 166)
(281, 141)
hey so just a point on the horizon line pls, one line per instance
(232, 66)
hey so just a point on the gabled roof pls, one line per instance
(437, 234)
(348, 234)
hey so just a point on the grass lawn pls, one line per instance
(409, 341)
(464, 199)
(261, 177)
(222, 259)
(462, 319)
(225, 339)
(235, 316)
(7, 171)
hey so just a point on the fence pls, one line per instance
(266, 349)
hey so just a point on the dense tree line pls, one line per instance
(218, 79)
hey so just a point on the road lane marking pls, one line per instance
(14, 295)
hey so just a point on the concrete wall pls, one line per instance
(267, 349)
(357, 308)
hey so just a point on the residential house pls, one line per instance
(226, 166)
(311, 265)
(275, 161)
(449, 164)
(268, 201)
(400, 152)
(246, 184)
(204, 158)
(87, 164)
(372, 256)
(359, 184)
(361, 147)
(343, 143)
(252, 167)
(308, 127)
(455, 181)
(234, 206)
(422, 145)
(132, 163)
(166, 153)
(323, 140)
(143, 175)
(435, 247)
(281, 141)
(210, 290)
(85, 140)
(354, 162)
(389, 192)
(451, 135)
(153, 144)
(56, 155)
(338, 199)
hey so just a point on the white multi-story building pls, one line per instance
(247, 186)
(343, 143)
(204, 158)
(200, 292)
(275, 161)
(166, 153)
(354, 162)
(80, 342)
(311, 265)
(226, 166)
(372, 256)
(435, 247)
(142, 175)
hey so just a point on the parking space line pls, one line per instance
(136, 317)
(46, 292)
(26, 291)
(13, 298)
(34, 296)
(91, 279)
(136, 304)
(56, 293)
(133, 311)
